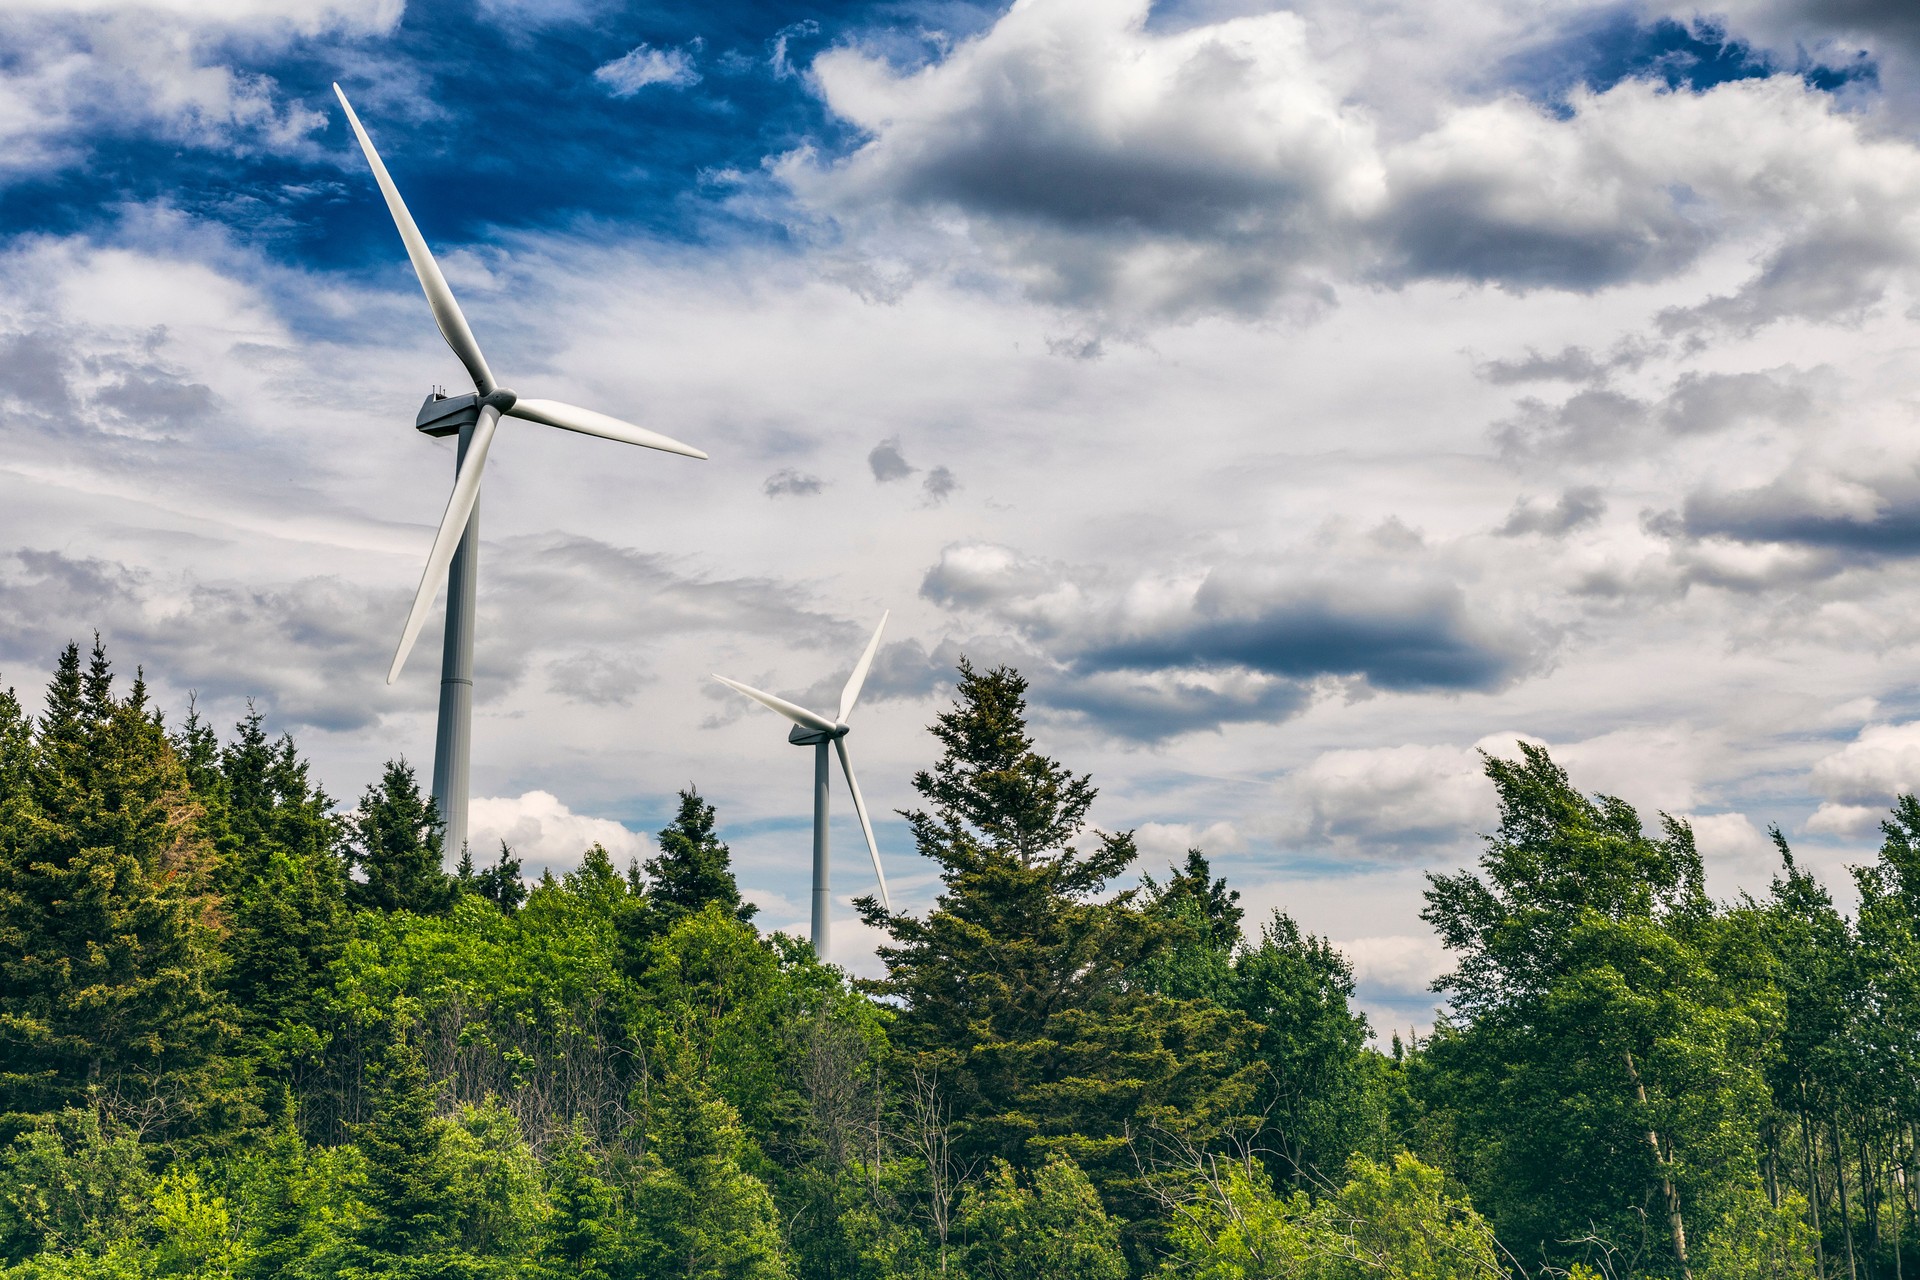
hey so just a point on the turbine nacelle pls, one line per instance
(805, 736)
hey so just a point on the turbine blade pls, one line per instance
(799, 715)
(466, 491)
(860, 807)
(446, 312)
(571, 417)
(851, 694)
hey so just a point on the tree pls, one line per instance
(1321, 1095)
(1393, 1221)
(108, 928)
(698, 1213)
(409, 1177)
(1055, 1228)
(1017, 990)
(499, 884)
(583, 1237)
(1601, 1072)
(395, 846)
(693, 868)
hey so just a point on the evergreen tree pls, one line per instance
(108, 953)
(584, 1235)
(499, 884)
(409, 1177)
(1015, 989)
(395, 846)
(693, 868)
(699, 1214)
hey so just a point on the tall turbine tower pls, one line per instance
(816, 731)
(456, 547)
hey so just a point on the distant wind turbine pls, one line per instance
(816, 731)
(456, 547)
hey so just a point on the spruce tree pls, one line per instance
(394, 844)
(699, 1213)
(409, 1178)
(583, 1236)
(108, 954)
(1015, 990)
(499, 884)
(694, 867)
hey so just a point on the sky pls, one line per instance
(1305, 398)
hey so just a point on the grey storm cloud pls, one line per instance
(1575, 509)
(1599, 423)
(1854, 523)
(1424, 638)
(790, 483)
(1242, 646)
(1111, 165)
(888, 463)
(315, 650)
(1569, 364)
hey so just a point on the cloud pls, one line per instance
(1110, 164)
(888, 463)
(643, 65)
(1168, 842)
(544, 833)
(787, 482)
(1401, 964)
(1838, 520)
(1391, 802)
(1152, 656)
(1602, 423)
(939, 485)
(77, 75)
(1861, 780)
(1575, 509)
(1704, 402)
(1730, 844)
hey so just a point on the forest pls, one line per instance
(248, 1030)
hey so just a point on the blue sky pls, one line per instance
(1305, 397)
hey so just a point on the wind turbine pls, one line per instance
(816, 731)
(456, 547)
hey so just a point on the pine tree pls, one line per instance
(583, 1236)
(693, 868)
(1015, 989)
(395, 846)
(699, 1214)
(499, 884)
(409, 1179)
(107, 927)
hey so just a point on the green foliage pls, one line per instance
(1602, 1061)
(1053, 1228)
(69, 1183)
(698, 1212)
(108, 933)
(1016, 989)
(244, 1037)
(693, 870)
(1393, 1221)
(394, 844)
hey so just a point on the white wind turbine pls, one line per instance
(456, 547)
(816, 731)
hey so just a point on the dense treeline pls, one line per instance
(247, 1032)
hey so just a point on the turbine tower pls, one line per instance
(456, 547)
(816, 731)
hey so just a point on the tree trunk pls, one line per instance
(1773, 1161)
(1846, 1218)
(1807, 1150)
(1675, 1223)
